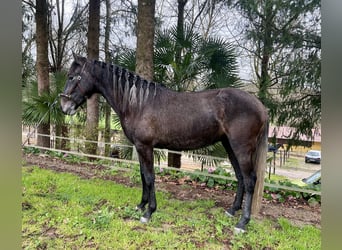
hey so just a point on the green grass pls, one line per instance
(277, 178)
(63, 211)
(280, 178)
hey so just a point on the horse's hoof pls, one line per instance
(239, 230)
(144, 220)
(228, 214)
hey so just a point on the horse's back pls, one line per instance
(240, 101)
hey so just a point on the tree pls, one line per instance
(91, 129)
(107, 108)
(62, 30)
(196, 63)
(174, 159)
(145, 41)
(209, 17)
(285, 51)
(42, 65)
(44, 107)
(284, 42)
(202, 64)
(145, 38)
(28, 40)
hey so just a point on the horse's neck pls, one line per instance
(106, 78)
(130, 91)
(123, 90)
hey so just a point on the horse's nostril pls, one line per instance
(64, 95)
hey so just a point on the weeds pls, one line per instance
(282, 195)
(214, 181)
(101, 219)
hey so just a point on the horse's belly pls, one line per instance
(179, 138)
(186, 128)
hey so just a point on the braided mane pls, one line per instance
(129, 89)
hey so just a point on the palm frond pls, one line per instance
(220, 60)
(44, 108)
(216, 150)
(127, 59)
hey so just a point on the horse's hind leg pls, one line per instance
(249, 182)
(241, 159)
(240, 185)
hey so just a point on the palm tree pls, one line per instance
(204, 64)
(44, 108)
(188, 62)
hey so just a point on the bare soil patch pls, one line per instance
(298, 211)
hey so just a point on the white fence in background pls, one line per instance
(188, 164)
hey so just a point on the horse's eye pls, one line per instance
(73, 78)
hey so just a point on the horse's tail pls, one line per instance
(259, 163)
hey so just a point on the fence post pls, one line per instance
(269, 171)
(258, 189)
(134, 154)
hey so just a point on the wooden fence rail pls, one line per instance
(226, 164)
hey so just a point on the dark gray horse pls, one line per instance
(153, 116)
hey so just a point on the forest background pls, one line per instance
(271, 48)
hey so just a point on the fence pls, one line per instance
(76, 146)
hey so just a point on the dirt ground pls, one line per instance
(297, 211)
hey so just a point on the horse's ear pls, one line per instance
(75, 56)
(78, 59)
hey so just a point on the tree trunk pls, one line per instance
(57, 41)
(264, 83)
(93, 53)
(174, 159)
(65, 143)
(42, 64)
(264, 80)
(145, 38)
(180, 29)
(62, 131)
(107, 108)
(145, 41)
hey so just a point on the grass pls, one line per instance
(63, 211)
(281, 178)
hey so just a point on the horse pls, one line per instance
(153, 115)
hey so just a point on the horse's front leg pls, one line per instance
(144, 198)
(145, 154)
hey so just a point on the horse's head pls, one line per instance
(78, 86)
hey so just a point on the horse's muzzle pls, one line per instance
(64, 95)
(68, 106)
